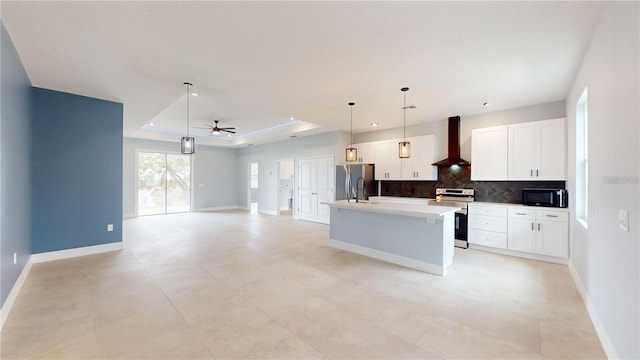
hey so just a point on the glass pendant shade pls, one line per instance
(187, 145)
(404, 148)
(351, 154)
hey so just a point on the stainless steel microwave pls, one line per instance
(545, 197)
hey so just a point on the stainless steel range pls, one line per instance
(457, 198)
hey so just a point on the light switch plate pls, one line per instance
(624, 220)
(110, 227)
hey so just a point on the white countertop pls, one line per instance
(512, 205)
(400, 199)
(414, 210)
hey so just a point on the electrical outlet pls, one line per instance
(15, 258)
(109, 227)
(624, 220)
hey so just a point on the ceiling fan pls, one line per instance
(215, 130)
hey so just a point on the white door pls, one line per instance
(315, 186)
(552, 239)
(522, 151)
(552, 150)
(489, 153)
(521, 235)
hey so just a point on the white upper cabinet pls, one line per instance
(489, 153)
(388, 166)
(525, 151)
(418, 166)
(537, 150)
(366, 153)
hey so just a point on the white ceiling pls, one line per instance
(255, 65)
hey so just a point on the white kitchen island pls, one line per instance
(417, 236)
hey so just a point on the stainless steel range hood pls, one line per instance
(454, 145)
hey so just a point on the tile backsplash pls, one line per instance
(490, 191)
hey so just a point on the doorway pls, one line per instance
(285, 187)
(164, 183)
(315, 187)
(253, 187)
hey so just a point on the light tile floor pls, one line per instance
(235, 285)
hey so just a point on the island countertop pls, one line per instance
(413, 210)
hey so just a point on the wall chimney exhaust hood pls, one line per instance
(454, 145)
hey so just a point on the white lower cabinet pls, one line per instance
(539, 231)
(542, 232)
(487, 226)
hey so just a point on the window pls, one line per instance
(582, 158)
(254, 175)
(164, 183)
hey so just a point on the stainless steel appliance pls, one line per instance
(355, 181)
(545, 197)
(456, 198)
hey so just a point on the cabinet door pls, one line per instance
(552, 239)
(387, 161)
(521, 235)
(551, 150)
(425, 156)
(489, 153)
(522, 151)
(367, 153)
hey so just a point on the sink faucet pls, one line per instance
(358, 188)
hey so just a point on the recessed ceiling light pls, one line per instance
(228, 135)
(485, 104)
(194, 94)
(151, 123)
(292, 118)
(374, 124)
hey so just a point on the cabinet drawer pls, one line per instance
(520, 213)
(488, 238)
(488, 223)
(487, 210)
(551, 215)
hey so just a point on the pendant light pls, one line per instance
(188, 144)
(351, 152)
(404, 149)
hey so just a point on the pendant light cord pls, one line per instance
(188, 86)
(404, 119)
(351, 122)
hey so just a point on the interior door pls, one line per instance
(315, 187)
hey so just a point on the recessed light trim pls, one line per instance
(374, 124)
(151, 123)
(194, 94)
(485, 104)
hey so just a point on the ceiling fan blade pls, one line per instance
(228, 128)
(229, 131)
(201, 127)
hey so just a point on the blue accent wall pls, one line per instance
(15, 165)
(77, 171)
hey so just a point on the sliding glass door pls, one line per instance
(164, 183)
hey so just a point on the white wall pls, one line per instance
(490, 118)
(606, 260)
(268, 155)
(214, 174)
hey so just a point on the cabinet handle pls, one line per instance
(554, 216)
(538, 226)
(417, 174)
(532, 227)
(521, 214)
(537, 171)
(531, 172)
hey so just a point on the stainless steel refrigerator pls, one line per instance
(347, 179)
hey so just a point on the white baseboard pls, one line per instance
(519, 254)
(70, 253)
(13, 294)
(392, 258)
(267, 212)
(217, 208)
(607, 345)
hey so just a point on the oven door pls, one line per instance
(461, 229)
